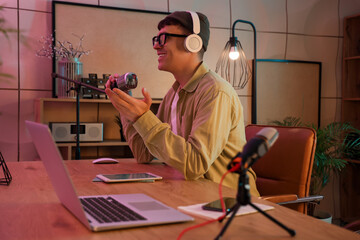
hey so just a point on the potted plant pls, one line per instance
(6, 31)
(335, 142)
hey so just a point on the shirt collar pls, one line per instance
(191, 85)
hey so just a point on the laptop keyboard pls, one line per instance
(107, 210)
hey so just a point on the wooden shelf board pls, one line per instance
(353, 161)
(351, 99)
(82, 100)
(352, 58)
(93, 144)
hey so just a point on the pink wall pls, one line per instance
(311, 30)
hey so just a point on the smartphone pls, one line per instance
(216, 205)
(128, 177)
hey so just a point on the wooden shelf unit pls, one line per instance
(350, 110)
(49, 110)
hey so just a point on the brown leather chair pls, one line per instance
(284, 172)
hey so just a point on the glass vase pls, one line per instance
(69, 68)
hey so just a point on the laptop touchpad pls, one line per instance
(147, 206)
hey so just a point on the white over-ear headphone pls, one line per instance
(193, 43)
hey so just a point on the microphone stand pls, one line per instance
(77, 89)
(242, 199)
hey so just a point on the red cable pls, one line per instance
(233, 169)
(196, 226)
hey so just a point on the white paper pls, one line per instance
(198, 211)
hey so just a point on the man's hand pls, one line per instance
(128, 107)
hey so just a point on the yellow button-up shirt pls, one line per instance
(210, 128)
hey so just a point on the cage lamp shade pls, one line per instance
(232, 64)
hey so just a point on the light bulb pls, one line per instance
(234, 53)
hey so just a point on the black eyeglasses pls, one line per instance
(161, 39)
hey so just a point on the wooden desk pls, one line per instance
(30, 209)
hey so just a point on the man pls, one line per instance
(199, 126)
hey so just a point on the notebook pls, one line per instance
(100, 212)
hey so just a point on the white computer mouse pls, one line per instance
(105, 160)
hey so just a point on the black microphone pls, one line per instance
(258, 146)
(125, 82)
(255, 148)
